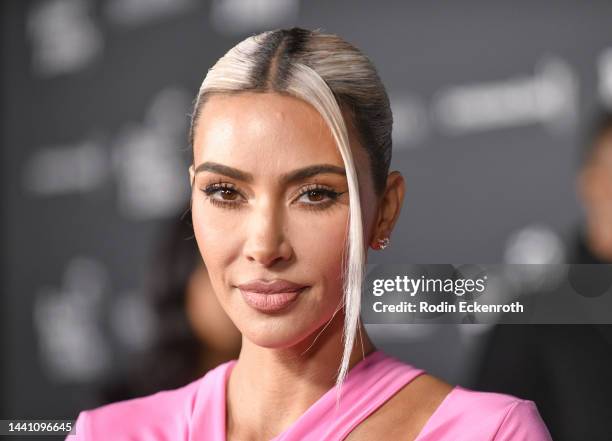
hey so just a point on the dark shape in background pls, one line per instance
(565, 370)
(487, 101)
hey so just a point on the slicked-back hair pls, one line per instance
(340, 82)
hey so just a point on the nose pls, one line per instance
(267, 242)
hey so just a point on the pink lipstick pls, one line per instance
(270, 296)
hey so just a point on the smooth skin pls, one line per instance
(252, 221)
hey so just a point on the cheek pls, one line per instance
(318, 240)
(215, 230)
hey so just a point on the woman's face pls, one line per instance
(270, 203)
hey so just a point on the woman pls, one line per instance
(291, 137)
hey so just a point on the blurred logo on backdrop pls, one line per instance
(72, 321)
(144, 162)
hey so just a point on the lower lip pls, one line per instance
(270, 302)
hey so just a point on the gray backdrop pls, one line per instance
(489, 103)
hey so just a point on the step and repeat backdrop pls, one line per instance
(492, 106)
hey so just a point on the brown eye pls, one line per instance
(316, 195)
(224, 195)
(228, 194)
(319, 197)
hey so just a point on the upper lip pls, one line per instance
(270, 286)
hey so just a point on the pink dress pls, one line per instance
(196, 412)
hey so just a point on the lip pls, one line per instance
(270, 296)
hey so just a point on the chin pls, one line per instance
(281, 331)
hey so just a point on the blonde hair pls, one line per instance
(331, 75)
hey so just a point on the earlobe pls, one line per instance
(381, 243)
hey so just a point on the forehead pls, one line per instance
(249, 125)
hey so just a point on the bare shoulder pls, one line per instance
(405, 413)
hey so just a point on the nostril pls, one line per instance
(268, 254)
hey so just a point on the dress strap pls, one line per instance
(208, 420)
(368, 385)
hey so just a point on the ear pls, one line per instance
(389, 208)
(191, 175)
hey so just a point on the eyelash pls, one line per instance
(214, 188)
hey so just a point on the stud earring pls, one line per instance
(383, 243)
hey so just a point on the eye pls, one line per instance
(223, 194)
(318, 196)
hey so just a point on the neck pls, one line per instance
(265, 381)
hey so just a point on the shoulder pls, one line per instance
(487, 416)
(429, 409)
(164, 415)
(522, 422)
(403, 415)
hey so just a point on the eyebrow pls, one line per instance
(286, 178)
